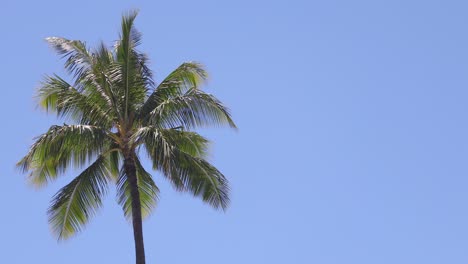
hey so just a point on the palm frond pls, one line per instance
(90, 69)
(145, 74)
(188, 142)
(186, 76)
(62, 146)
(187, 172)
(58, 96)
(147, 189)
(97, 80)
(131, 75)
(195, 108)
(79, 59)
(77, 202)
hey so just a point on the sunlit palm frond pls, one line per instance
(195, 108)
(78, 58)
(97, 81)
(186, 172)
(104, 69)
(186, 76)
(88, 68)
(77, 202)
(191, 143)
(62, 146)
(58, 96)
(197, 176)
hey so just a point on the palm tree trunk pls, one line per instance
(130, 171)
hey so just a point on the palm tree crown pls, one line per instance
(118, 112)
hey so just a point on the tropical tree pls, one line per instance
(118, 113)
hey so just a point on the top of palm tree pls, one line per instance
(118, 111)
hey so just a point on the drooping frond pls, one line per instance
(61, 146)
(77, 202)
(147, 188)
(186, 76)
(199, 177)
(56, 95)
(195, 108)
(185, 171)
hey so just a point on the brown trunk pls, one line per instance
(130, 171)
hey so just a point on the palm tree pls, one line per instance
(118, 113)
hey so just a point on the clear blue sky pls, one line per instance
(353, 140)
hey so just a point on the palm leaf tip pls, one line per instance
(204, 180)
(54, 41)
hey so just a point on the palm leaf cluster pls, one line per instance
(118, 111)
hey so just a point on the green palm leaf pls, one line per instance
(186, 76)
(131, 73)
(56, 95)
(189, 142)
(90, 70)
(78, 201)
(62, 146)
(192, 109)
(79, 59)
(185, 171)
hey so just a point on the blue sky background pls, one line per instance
(352, 145)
